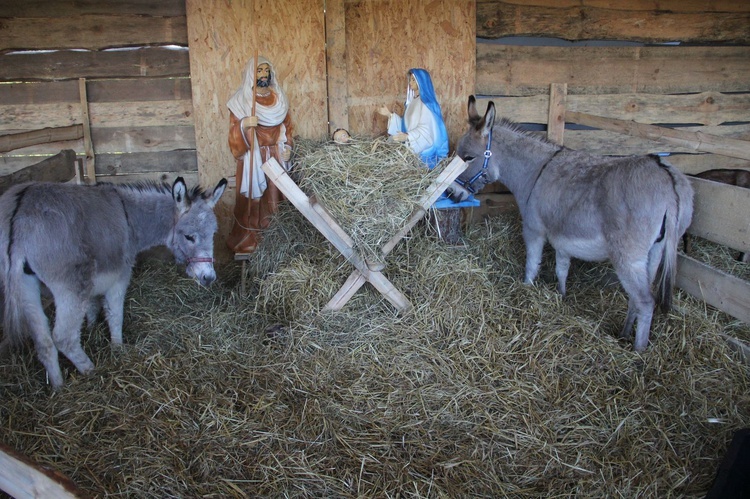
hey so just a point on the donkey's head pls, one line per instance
(474, 149)
(192, 240)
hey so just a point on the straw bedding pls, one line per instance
(486, 388)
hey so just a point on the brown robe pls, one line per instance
(250, 218)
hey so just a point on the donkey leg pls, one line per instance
(70, 312)
(635, 280)
(534, 246)
(562, 266)
(39, 327)
(114, 303)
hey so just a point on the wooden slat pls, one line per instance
(338, 108)
(142, 62)
(58, 168)
(61, 8)
(721, 214)
(170, 161)
(22, 478)
(92, 32)
(104, 114)
(14, 141)
(525, 70)
(723, 291)
(705, 108)
(697, 141)
(88, 146)
(644, 23)
(112, 90)
(556, 117)
(696, 163)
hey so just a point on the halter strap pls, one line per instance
(469, 185)
(199, 259)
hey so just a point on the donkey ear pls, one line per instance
(472, 108)
(489, 118)
(218, 191)
(179, 194)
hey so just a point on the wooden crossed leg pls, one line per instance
(322, 220)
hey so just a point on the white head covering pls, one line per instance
(241, 103)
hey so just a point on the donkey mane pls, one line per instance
(147, 186)
(512, 126)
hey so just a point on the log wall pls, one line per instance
(137, 93)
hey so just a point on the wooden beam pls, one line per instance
(720, 214)
(88, 146)
(58, 168)
(22, 478)
(635, 20)
(723, 291)
(25, 139)
(512, 70)
(696, 141)
(556, 118)
(336, 67)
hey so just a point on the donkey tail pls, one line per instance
(13, 307)
(667, 272)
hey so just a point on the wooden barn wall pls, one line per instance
(681, 63)
(134, 58)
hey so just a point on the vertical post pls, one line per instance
(336, 68)
(558, 93)
(87, 144)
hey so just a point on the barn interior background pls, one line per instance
(138, 89)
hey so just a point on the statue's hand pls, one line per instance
(384, 111)
(249, 122)
(400, 137)
(286, 154)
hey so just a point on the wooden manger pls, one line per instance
(364, 270)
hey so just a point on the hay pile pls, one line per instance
(486, 388)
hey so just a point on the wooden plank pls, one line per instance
(135, 163)
(121, 140)
(651, 24)
(14, 141)
(61, 8)
(58, 168)
(103, 114)
(697, 141)
(22, 478)
(88, 146)
(110, 90)
(141, 62)
(614, 143)
(556, 117)
(526, 70)
(338, 108)
(637, 5)
(91, 31)
(720, 290)
(720, 214)
(696, 163)
(706, 108)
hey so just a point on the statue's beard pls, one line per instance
(264, 83)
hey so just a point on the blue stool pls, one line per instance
(448, 221)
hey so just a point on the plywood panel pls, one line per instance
(91, 32)
(387, 37)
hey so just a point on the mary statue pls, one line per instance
(422, 126)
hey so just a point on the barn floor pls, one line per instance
(486, 388)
